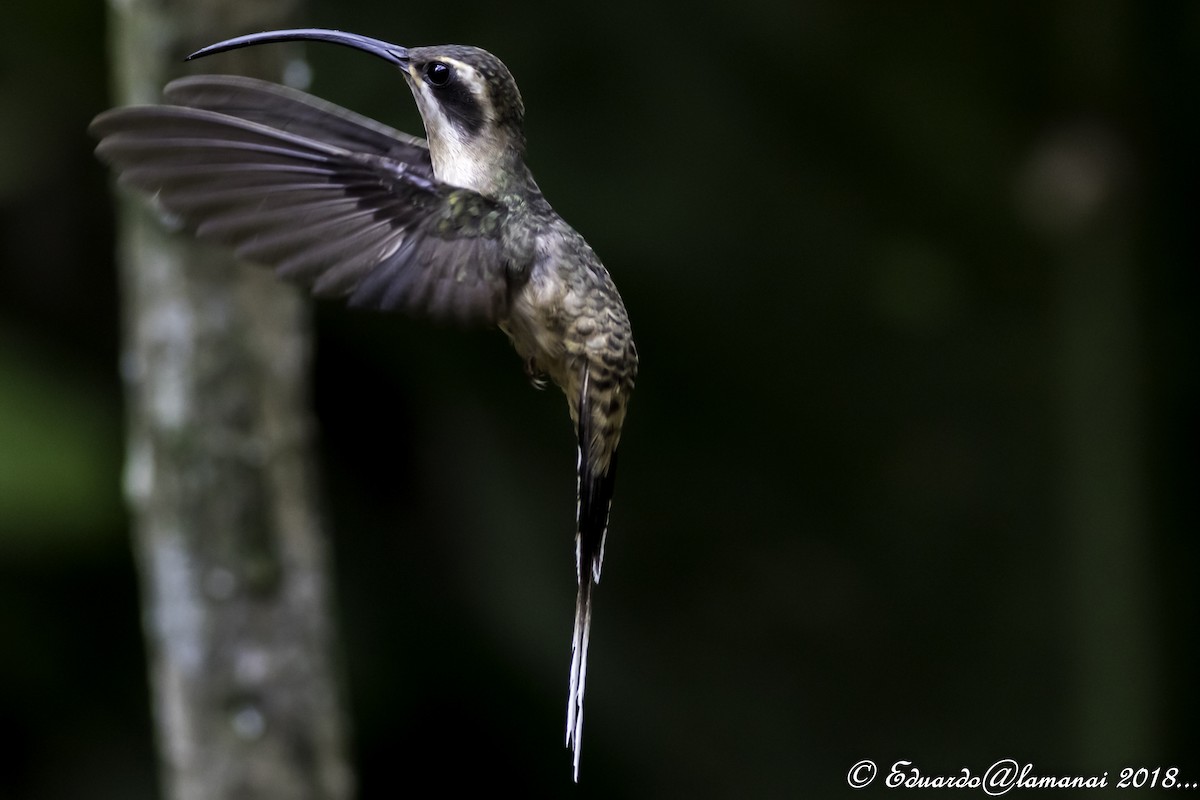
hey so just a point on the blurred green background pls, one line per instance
(906, 475)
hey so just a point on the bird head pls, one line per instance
(472, 111)
(468, 100)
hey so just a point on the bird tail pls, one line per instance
(594, 501)
(579, 648)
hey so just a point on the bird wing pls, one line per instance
(298, 113)
(365, 223)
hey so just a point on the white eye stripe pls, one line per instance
(469, 77)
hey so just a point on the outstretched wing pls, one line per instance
(342, 205)
(300, 114)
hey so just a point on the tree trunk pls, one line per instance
(219, 475)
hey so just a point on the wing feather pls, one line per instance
(299, 113)
(339, 203)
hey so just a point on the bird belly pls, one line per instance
(539, 335)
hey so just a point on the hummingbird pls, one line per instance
(450, 227)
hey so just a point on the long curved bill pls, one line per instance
(392, 53)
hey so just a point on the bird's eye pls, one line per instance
(438, 74)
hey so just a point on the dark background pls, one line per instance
(907, 474)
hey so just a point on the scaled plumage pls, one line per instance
(450, 228)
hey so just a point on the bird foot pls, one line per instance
(537, 379)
